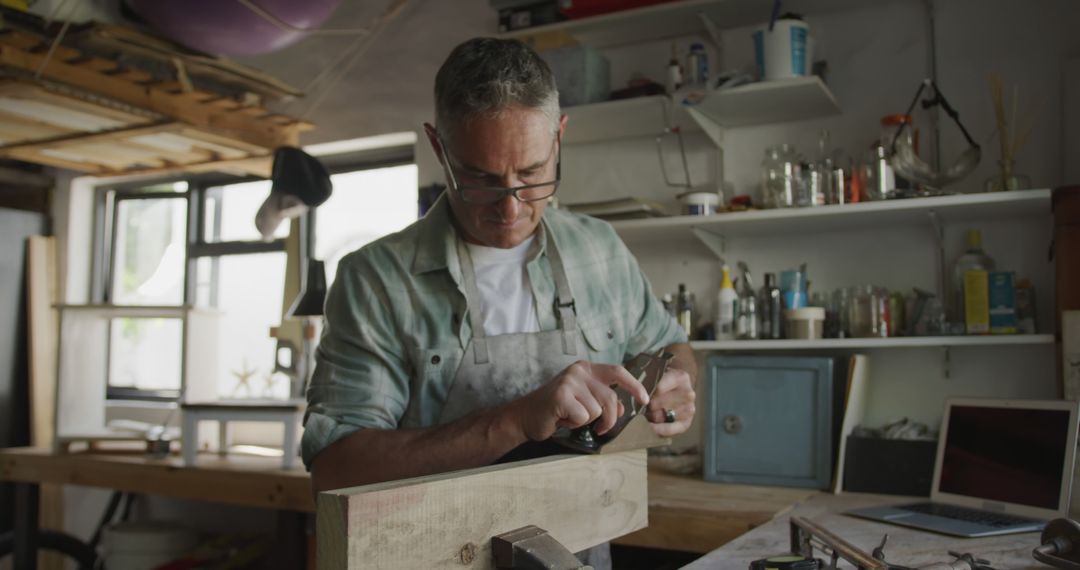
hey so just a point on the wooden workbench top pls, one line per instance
(907, 547)
(236, 479)
(690, 514)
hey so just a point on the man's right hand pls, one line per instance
(577, 396)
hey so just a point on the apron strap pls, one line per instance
(472, 296)
(565, 308)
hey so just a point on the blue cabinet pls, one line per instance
(769, 420)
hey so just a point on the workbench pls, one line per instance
(685, 513)
(235, 480)
(907, 547)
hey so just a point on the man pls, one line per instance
(493, 321)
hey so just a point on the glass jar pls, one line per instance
(781, 181)
(868, 311)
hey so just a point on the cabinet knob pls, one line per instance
(732, 424)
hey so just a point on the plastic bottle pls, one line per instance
(674, 73)
(746, 318)
(684, 310)
(725, 309)
(973, 259)
(770, 309)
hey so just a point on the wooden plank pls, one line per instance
(236, 480)
(263, 133)
(447, 520)
(43, 329)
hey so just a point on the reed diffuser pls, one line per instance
(1011, 136)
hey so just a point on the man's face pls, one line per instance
(514, 148)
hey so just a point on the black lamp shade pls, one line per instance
(309, 302)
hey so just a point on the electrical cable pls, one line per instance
(283, 25)
(59, 37)
(377, 27)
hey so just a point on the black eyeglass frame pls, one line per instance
(499, 193)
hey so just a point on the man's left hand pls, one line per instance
(674, 395)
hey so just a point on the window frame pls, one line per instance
(107, 197)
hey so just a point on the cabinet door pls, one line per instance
(769, 420)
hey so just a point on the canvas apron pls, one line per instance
(497, 369)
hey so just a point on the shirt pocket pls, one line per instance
(436, 368)
(605, 342)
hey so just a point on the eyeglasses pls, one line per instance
(481, 194)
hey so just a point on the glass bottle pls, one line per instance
(684, 310)
(746, 318)
(973, 259)
(769, 309)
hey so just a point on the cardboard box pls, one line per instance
(976, 302)
(1002, 302)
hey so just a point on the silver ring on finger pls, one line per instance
(669, 416)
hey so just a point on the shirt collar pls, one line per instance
(437, 243)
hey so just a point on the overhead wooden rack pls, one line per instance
(81, 112)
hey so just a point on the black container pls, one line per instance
(889, 466)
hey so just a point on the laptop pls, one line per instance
(1002, 467)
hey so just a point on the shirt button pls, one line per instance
(435, 359)
(610, 333)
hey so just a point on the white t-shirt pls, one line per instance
(506, 299)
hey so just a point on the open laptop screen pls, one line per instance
(1003, 454)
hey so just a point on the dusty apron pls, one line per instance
(497, 369)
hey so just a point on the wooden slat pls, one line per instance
(24, 90)
(43, 329)
(263, 133)
(20, 128)
(246, 481)
(447, 521)
(38, 158)
(84, 138)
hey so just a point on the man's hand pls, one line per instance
(675, 392)
(577, 396)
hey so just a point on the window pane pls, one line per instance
(149, 252)
(365, 206)
(145, 354)
(249, 290)
(231, 212)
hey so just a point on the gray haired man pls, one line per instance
(493, 321)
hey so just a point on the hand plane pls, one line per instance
(647, 369)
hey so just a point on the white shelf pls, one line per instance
(623, 118)
(842, 217)
(868, 343)
(683, 18)
(764, 102)
(754, 104)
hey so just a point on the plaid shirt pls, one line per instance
(396, 323)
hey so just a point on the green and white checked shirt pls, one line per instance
(396, 320)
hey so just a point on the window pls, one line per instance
(194, 242)
(365, 205)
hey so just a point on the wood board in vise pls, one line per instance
(74, 110)
(447, 520)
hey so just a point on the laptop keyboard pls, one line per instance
(996, 520)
